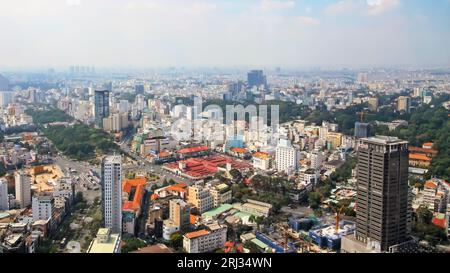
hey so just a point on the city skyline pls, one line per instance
(225, 33)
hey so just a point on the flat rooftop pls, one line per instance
(108, 247)
(384, 140)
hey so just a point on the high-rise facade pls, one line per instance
(382, 192)
(23, 189)
(179, 213)
(4, 199)
(200, 197)
(6, 97)
(404, 104)
(373, 104)
(287, 156)
(101, 106)
(139, 89)
(112, 192)
(43, 208)
(4, 83)
(256, 78)
(361, 130)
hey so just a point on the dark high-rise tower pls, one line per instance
(256, 78)
(361, 130)
(382, 199)
(101, 107)
(139, 89)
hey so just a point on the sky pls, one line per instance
(225, 33)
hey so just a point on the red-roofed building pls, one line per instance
(439, 220)
(428, 145)
(133, 190)
(419, 160)
(435, 194)
(200, 168)
(261, 161)
(428, 152)
(193, 151)
(239, 152)
(205, 240)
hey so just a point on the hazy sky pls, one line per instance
(287, 33)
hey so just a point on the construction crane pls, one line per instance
(305, 246)
(338, 216)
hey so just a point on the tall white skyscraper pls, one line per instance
(23, 189)
(4, 202)
(112, 193)
(287, 156)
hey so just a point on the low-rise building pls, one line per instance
(256, 208)
(205, 240)
(106, 242)
(261, 161)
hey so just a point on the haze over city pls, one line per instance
(224, 126)
(225, 33)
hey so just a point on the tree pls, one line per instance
(132, 244)
(236, 174)
(80, 206)
(424, 215)
(176, 240)
(314, 200)
(79, 197)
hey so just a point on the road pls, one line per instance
(142, 164)
(79, 169)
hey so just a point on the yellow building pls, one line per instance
(334, 140)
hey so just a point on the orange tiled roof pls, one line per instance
(419, 157)
(164, 154)
(239, 150)
(430, 184)
(422, 150)
(181, 187)
(193, 219)
(261, 155)
(193, 150)
(138, 184)
(154, 197)
(197, 233)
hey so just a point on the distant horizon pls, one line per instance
(225, 33)
(243, 68)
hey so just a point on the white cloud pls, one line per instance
(273, 5)
(365, 7)
(377, 7)
(204, 32)
(343, 6)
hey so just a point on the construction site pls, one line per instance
(307, 234)
(44, 178)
